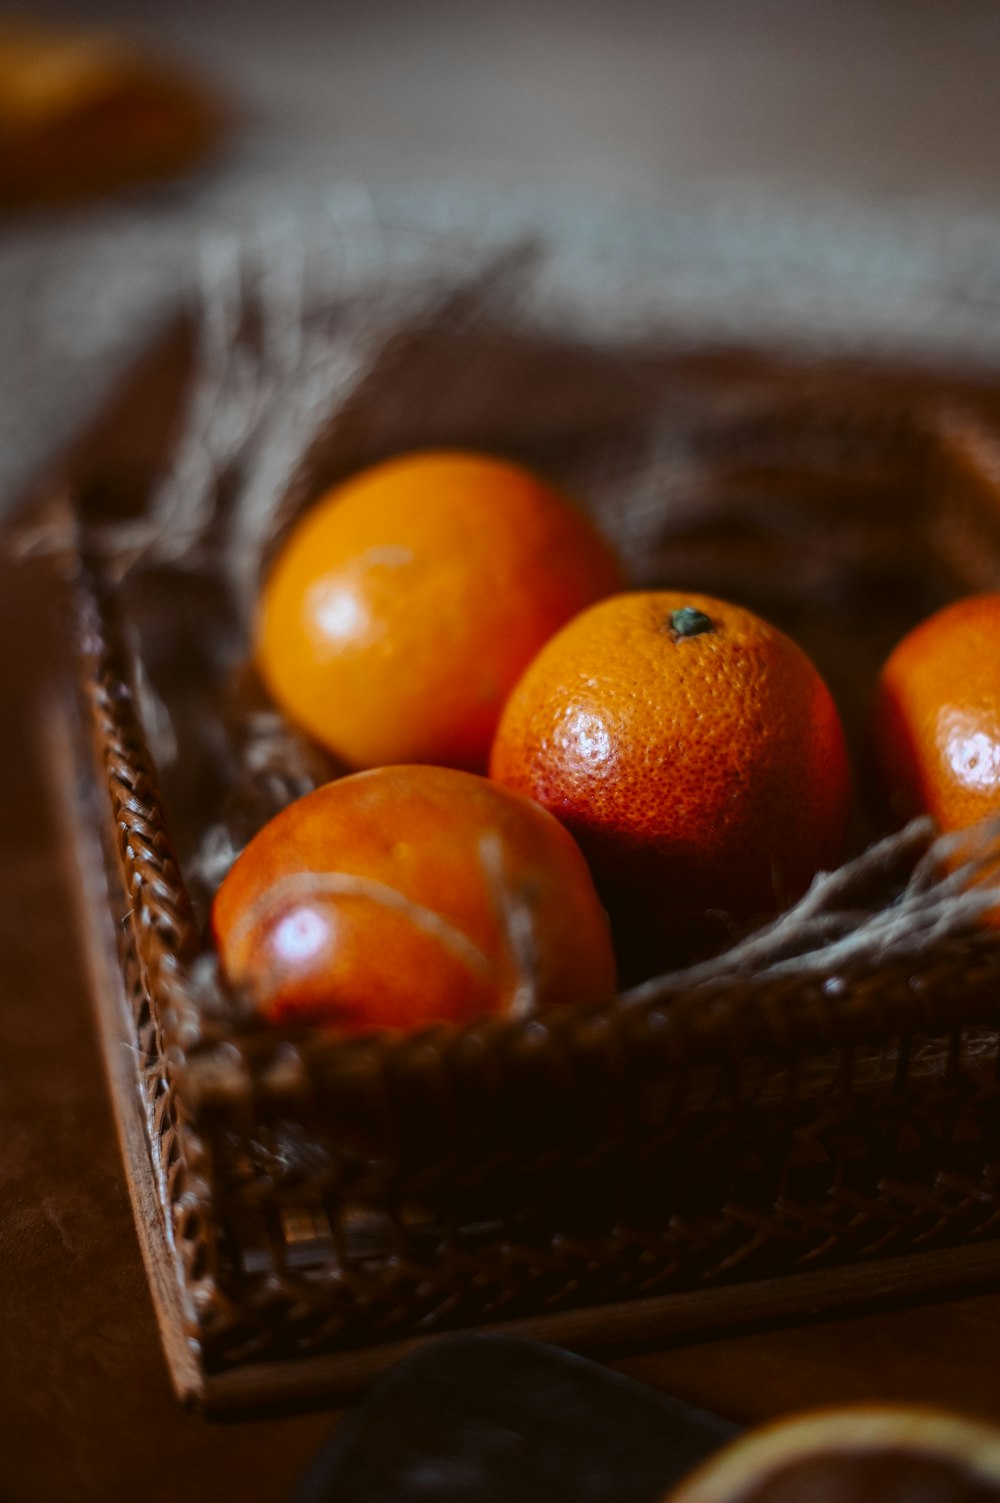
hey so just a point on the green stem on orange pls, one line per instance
(689, 622)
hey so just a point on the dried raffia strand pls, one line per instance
(513, 907)
(255, 408)
(303, 886)
(516, 915)
(268, 375)
(819, 936)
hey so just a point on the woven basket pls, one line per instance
(749, 1148)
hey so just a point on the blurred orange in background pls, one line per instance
(85, 112)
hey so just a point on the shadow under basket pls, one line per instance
(743, 1150)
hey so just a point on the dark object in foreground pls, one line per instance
(489, 1418)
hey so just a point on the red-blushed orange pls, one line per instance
(404, 606)
(695, 753)
(410, 895)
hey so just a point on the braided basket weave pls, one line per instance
(742, 1144)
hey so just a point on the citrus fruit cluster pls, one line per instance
(667, 757)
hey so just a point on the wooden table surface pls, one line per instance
(85, 1405)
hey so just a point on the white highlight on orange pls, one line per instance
(973, 754)
(337, 611)
(302, 935)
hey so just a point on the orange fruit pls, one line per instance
(86, 112)
(873, 1454)
(411, 895)
(405, 605)
(695, 753)
(936, 718)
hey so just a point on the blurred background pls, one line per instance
(868, 95)
(860, 127)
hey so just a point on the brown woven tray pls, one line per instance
(309, 1207)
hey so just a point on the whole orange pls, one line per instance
(936, 717)
(411, 895)
(405, 605)
(695, 753)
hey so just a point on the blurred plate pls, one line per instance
(487, 1419)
